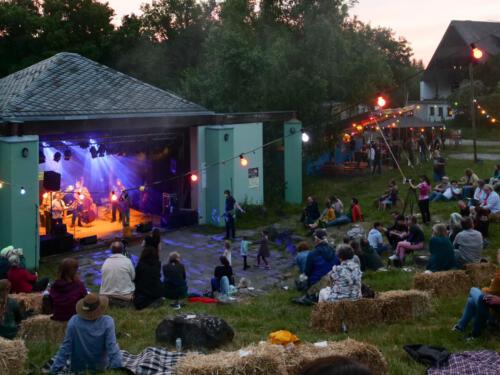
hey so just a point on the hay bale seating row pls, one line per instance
(388, 307)
(29, 301)
(41, 328)
(455, 283)
(266, 359)
(13, 357)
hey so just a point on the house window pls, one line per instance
(440, 111)
(450, 112)
(432, 112)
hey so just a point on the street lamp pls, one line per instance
(476, 55)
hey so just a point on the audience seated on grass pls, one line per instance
(491, 201)
(90, 341)
(345, 278)
(479, 194)
(468, 244)
(301, 257)
(340, 217)
(118, 275)
(469, 183)
(174, 279)
(22, 281)
(496, 175)
(223, 277)
(455, 226)
(335, 365)
(321, 259)
(478, 306)
(376, 239)
(481, 219)
(398, 232)
(311, 212)
(463, 208)
(66, 291)
(440, 189)
(10, 313)
(414, 242)
(369, 258)
(327, 216)
(148, 285)
(390, 196)
(442, 255)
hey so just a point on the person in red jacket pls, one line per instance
(22, 280)
(66, 291)
(356, 213)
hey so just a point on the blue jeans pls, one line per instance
(436, 197)
(467, 191)
(381, 248)
(221, 286)
(476, 309)
(341, 220)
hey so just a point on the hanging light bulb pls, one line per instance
(22, 191)
(194, 177)
(1, 184)
(381, 101)
(243, 161)
(305, 136)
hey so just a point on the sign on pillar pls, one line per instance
(293, 161)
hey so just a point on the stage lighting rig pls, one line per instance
(67, 154)
(57, 157)
(93, 152)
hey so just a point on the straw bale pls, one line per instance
(41, 328)
(443, 284)
(366, 354)
(400, 305)
(29, 301)
(329, 316)
(13, 357)
(481, 274)
(264, 359)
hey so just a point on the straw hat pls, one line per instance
(494, 288)
(92, 306)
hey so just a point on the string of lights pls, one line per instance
(484, 112)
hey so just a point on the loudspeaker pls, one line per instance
(90, 240)
(60, 230)
(145, 227)
(51, 181)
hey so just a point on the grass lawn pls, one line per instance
(253, 320)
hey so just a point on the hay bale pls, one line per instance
(481, 274)
(29, 301)
(366, 354)
(401, 305)
(443, 284)
(13, 357)
(264, 359)
(41, 328)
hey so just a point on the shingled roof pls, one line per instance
(454, 48)
(69, 86)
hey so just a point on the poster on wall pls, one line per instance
(253, 178)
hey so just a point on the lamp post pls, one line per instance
(477, 54)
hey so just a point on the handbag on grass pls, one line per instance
(430, 356)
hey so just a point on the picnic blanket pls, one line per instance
(152, 361)
(484, 362)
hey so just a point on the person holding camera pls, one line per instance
(424, 189)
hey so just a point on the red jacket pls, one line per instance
(21, 280)
(356, 213)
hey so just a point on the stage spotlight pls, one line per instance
(57, 156)
(114, 198)
(194, 177)
(142, 188)
(83, 145)
(71, 188)
(22, 191)
(101, 151)
(41, 157)
(93, 152)
(67, 154)
(243, 161)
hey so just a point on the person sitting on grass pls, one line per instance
(479, 194)
(455, 226)
(22, 281)
(439, 190)
(369, 258)
(311, 212)
(469, 183)
(327, 216)
(337, 205)
(335, 365)
(345, 278)
(376, 239)
(463, 209)
(390, 197)
(496, 175)
(478, 307)
(414, 242)
(321, 259)
(148, 285)
(10, 312)
(442, 255)
(174, 279)
(66, 291)
(481, 219)
(491, 201)
(356, 213)
(468, 244)
(90, 341)
(118, 275)
(301, 257)
(398, 232)
(223, 277)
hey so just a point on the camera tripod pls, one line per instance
(410, 201)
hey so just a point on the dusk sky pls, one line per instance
(421, 22)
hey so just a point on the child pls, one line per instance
(227, 251)
(244, 252)
(263, 250)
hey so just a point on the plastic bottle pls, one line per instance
(178, 344)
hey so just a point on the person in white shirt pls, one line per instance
(491, 201)
(375, 238)
(118, 275)
(58, 208)
(479, 194)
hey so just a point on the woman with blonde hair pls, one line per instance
(442, 255)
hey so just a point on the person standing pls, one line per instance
(439, 163)
(58, 209)
(244, 252)
(229, 211)
(424, 188)
(371, 155)
(115, 204)
(264, 251)
(422, 146)
(377, 161)
(125, 208)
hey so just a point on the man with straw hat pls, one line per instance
(90, 340)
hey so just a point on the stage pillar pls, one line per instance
(19, 212)
(293, 161)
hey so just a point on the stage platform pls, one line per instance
(103, 228)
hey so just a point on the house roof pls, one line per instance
(454, 47)
(68, 86)
(406, 122)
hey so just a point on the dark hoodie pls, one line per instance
(63, 296)
(148, 285)
(319, 262)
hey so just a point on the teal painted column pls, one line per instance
(19, 212)
(293, 161)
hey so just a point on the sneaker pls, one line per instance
(176, 306)
(456, 328)
(393, 257)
